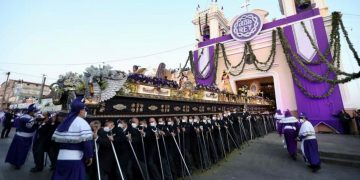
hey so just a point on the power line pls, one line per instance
(109, 61)
(350, 14)
(24, 74)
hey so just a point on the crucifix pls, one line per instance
(246, 5)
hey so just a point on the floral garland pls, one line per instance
(228, 63)
(198, 74)
(248, 51)
(157, 82)
(206, 21)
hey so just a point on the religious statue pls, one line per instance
(225, 82)
(137, 70)
(161, 71)
(183, 79)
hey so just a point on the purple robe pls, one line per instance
(21, 143)
(290, 140)
(309, 146)
(289, 127)
(73, 169)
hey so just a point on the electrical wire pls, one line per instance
(103, 62)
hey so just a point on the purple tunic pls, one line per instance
(73, 169)
(290, 140)
(21, 143)
(311, 152)
(290, 131)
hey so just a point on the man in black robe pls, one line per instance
(7, 123)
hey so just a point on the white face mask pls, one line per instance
(183, 120)
(170, 123)
(161, 123)
(209, 120)
(191, 121)
(134, 125)
(196, 121)
(205, 122)
(107, 129)
(214, 118)
(153, 124)
(218, 118)
(229, 113)
(120, 125)
(85, 114)
(302, 120)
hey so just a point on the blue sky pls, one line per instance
(82, 31)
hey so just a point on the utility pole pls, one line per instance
(42, 88)
(6, 84)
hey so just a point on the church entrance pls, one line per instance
(261, 87)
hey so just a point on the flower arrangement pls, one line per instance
(211, 88)
(157, 82)
(70, 82)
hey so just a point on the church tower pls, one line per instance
(210, 23)
(292, 7)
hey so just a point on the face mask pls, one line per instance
(134, 125)
(191, 121)
(183, 120)
(196, 121)
(209, 121)
(170, 123)
(229, 114)
(153, 124)
(85, 114)
(120, 125)
(205, 122)
(302, 121)
(106, 129)
(218, 118)
(161, 123)
(214, 118)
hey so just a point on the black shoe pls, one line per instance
(35, 170)
(17, 167)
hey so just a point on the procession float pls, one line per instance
(111, 94)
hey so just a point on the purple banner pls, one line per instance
(269, 25)
(317, 110)
(208, 81)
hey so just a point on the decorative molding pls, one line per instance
(177, 108)
(119, 107)
(153, 108)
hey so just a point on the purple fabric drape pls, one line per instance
(317, 110)
(210, 79)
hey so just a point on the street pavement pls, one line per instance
(263, 158)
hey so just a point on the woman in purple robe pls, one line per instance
(75, 137)
(21, 144)
(309, 146)
(289, 127)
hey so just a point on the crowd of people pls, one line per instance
(145, 148)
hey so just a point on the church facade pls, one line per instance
(249, 51)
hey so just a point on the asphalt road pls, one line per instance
(264, 158)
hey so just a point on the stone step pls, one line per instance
(343, 162)
(343, 156)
